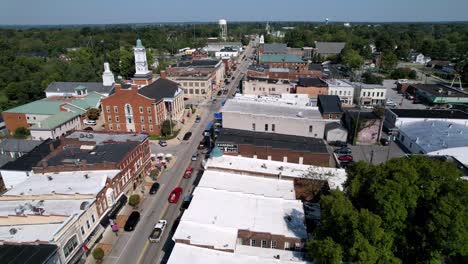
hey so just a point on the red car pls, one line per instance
(188, 172)
(175, 195)
(345, 158)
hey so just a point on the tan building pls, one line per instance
(312, 87)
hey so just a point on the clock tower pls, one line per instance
(142, 76)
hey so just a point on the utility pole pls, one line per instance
(371, 156)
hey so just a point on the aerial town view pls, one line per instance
(206, 132)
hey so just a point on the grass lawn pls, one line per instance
(160, 137)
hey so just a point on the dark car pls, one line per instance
(233, 77)
(186, 202)
(342, 150)
(175, 195)
(219, 93)
(384, 141)
(197, 119)
(132, 221)
(162, 143)
(154, 188)
(225, 91)
(187, 135)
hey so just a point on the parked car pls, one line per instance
(340, 144)
(175, 195)
(186, 202)
(343, 151)
(188, 172)
(194, 156)
(345, 158)
(162, 143)
(225, 91)
(233, 77)
(89, 122)
(384, 141)
(154, 188)
(391, 104)
(157, 231)
(219, 93)
(197, 119)
(187, 135)
(132, 221)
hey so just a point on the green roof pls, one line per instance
(291, 58)
(80, 88)
(55, 120)
(51, 107)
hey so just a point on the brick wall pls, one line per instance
(14, 121)
(312, 91)
(247, 237)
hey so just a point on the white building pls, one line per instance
(227, 52)
(369, 94)
(241, 217)
(421, 59)
(266, 87)
(396, 118)
(57, 209)
(343, 89)
(56, 125)
(273, 117)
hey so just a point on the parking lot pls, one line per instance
(399, 99)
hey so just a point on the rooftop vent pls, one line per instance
(49, 177)
(13, 231)
(264, 166)
(300, 114)
(86, 176)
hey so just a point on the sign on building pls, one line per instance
(228, 147)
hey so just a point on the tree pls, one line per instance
(370, 78)
(167, 128)
(352, 59)
(22, 132)
(134, 200)
(389, 60)
(325, 251)
(98, 254)
(93, 114)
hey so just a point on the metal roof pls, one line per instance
(288, 58)
(329, 47)
(69, 87)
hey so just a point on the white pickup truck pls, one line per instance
(157, 231)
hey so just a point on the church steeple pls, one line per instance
(107, 75)
(141, 63)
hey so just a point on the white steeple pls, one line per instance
(107, 75)
(262, 39)
(141, 63)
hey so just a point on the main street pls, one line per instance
(134, 247)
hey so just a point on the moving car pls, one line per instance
(175, 195)
(162, 143)
(158, 231)
(197, 119)
(343, 150)
(391, 104)
(194, 156)
(188, 172)
(154, 188)
(187, 135)
(219, 93)
(132, 221)
(384, 141)
(345, 158)
(89, 122)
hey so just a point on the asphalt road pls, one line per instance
(134, 247)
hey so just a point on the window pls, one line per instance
(116, 109)
(87, 224)
(117, 119)
(82, 231)
(118, 126)
(266, 127)
(273, 127)
(149, 110)
(202, 84)
(151, 128)
(253, 126)
(197, 84)
(197, 91)
(286, 245)
(108, 109)
(143, 128)
(111, 127)
(70, 246)
(273, 244)
(190, 84)
(253, 242)
(273, 89)
(109, 118)
(190, 91)
(141, 109)
(142, 119)
(93, 218)
(129, 120)
(264, 243)
(27, 117)
(310, 129)
(150, 119)
(185, 83)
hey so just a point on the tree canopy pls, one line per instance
(408, 210)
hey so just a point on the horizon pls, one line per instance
(89, 12)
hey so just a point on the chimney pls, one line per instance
(117, 87)
(134, 88)
(163, 75)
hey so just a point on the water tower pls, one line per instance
(326, 21)
(223, 28)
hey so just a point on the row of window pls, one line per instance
(88, 225)
(373, 94)
(340, 92)
(130, 120)
(194, 91)
(193, 84)
(128, 108)
(273, 127)
(273, 244)
(143, 127)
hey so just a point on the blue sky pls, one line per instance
(125, 11)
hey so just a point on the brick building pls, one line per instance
(143, 110)
(269, 146)
(284, 61)
(312, 87)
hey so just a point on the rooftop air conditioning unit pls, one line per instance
(300, 114)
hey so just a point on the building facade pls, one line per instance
(367, 94)
(343, 89)
(254, 86)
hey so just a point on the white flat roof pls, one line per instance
(335, 177)
(436, 135)
(51, 207)
(266, 187)
(460, 153)
(75, 182)
(283, 99)
(28, 233)
(335, 83)
(182, 254)
(271, 109)
(227, 209)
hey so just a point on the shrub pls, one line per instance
(134, 200)
(98, 254)
(93, 114)
(22, 132)
(370, 78)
